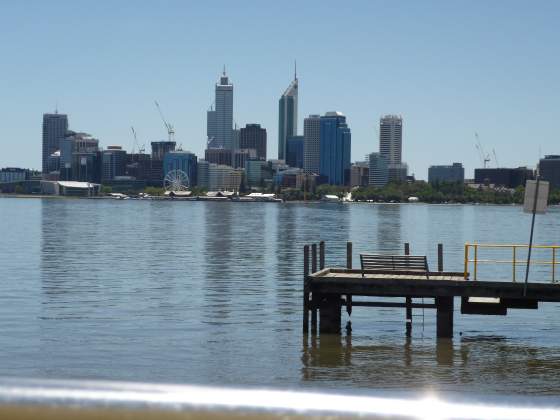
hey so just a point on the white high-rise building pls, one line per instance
(390, 146)
(390, 138)
(311, 144)
(220, 120)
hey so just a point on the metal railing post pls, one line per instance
(514, 261)
(553, 264)
(475, 260)
(466, 270)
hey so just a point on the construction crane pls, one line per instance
(142, 149)
(169, 127)
(495, 158)
(485, 158)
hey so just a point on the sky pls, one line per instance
(450, 68)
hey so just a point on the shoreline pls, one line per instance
(62, 197)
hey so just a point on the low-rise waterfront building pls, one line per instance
(113, 163)
(549, 170)
(378, 170)
(359, 174)
(446, 173)
(294, 151)
(181, 160)
(14, 175)
(503, 177)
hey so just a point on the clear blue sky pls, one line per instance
(449, 68)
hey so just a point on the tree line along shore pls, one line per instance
(394, 193)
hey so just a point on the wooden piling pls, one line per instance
(349, 266)
(321, 255)
(444, 326)
(314, 258)
(440, 257)
(330, 314)
(349, 255)
(305, 289)
(408, 300)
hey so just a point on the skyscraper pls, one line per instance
(390, 138)
(220, 120)
(287, 116)
(253, 136)
(311, 144)
(54, 130)
(335, 146)
(390, 146)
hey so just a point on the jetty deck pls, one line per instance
(328, 289)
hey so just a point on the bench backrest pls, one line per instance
(394, 262)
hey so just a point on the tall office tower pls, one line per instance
(54, 130)
(253, 136)
(287, 116)
(335, 141)
(311, 144)
(220, 120)
(390, 138)
(390, 146)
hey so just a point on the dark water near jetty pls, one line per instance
(210, 293)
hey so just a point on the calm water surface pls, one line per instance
(210, 293)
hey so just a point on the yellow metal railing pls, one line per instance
(473, 250)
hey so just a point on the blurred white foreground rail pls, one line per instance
(49, 399)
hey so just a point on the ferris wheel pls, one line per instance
(176, 180)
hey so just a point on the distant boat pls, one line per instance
(331, 198)
(413, 199)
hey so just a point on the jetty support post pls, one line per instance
(305, 289)
(440, 257)
(321, 255)
(313, 258)
(349, 267)
(444, 324)
(408, 300)
(330, 309)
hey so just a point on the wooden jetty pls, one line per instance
(327, 290)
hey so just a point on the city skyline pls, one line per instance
(447, 83)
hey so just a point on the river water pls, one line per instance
(210, 293)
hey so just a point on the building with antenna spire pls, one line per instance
(287, 115)
(220, 119)
(55, 127)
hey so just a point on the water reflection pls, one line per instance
(442, 364)
(389, 224)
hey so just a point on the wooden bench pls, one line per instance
(395, 263)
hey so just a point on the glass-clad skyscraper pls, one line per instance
(54, 130)
(287, 116)
(335, 147)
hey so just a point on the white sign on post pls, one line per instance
(541, 196)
